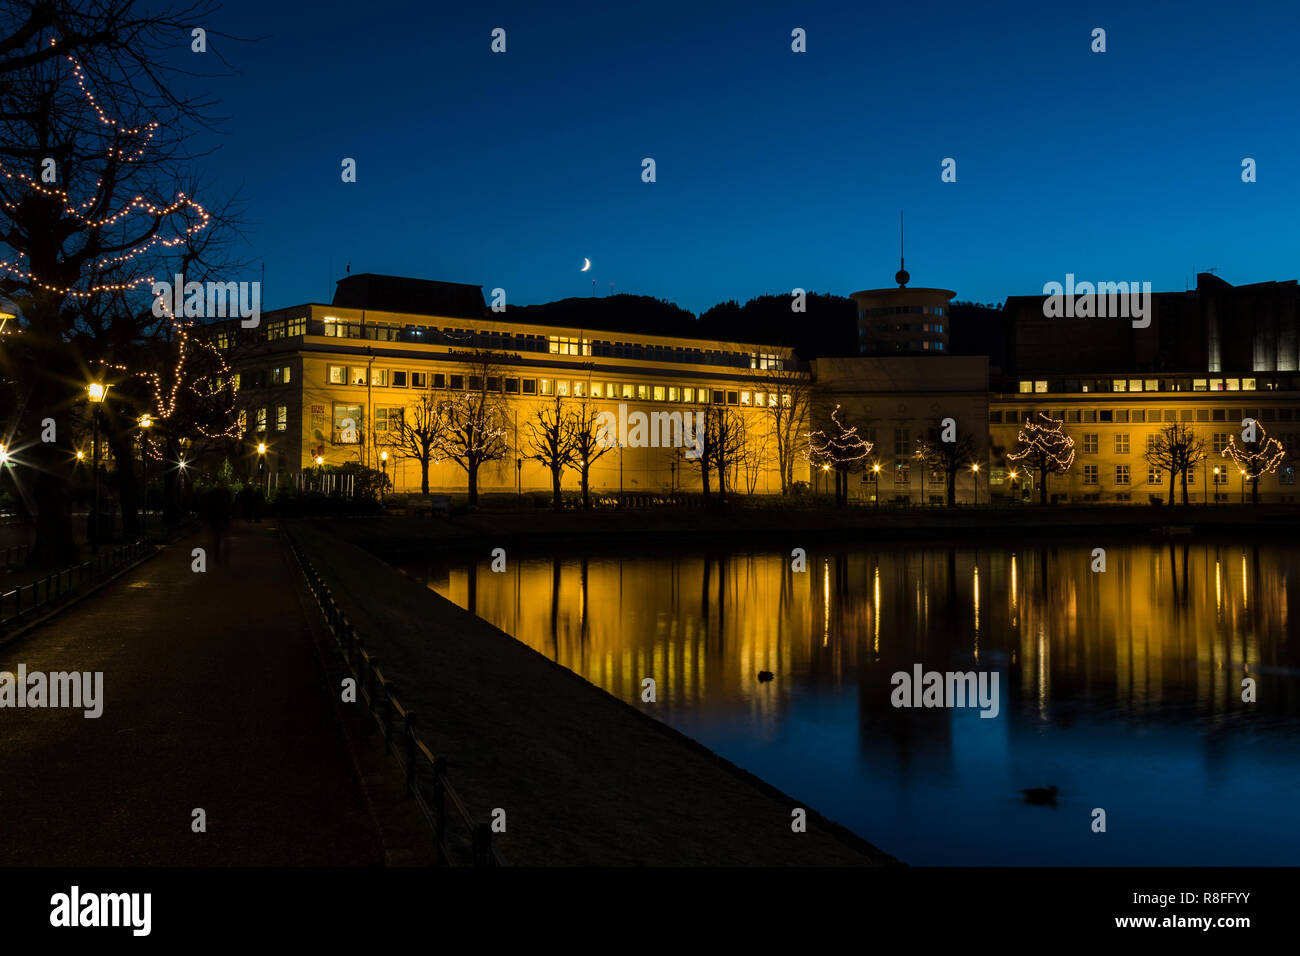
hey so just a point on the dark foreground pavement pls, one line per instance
(213, 699)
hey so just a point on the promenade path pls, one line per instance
(213, 698)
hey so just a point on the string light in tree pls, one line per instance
(1259, 457)
(840, 448)
(1045, 447)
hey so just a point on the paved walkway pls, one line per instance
(213, 698)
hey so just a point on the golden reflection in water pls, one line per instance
(703, 626)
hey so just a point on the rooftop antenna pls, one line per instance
(901, 275)
(593, 288)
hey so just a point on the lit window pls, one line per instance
(643, 392)
(1040, 386)
(1026, 387)
(1216, 384)
(1234, 384)
(1150, 385)
(358, 376)
(674, 393)
(547, 386)
(688, 394)
(1135, 385)
(659, 393)
(261, 419)
(1199, 385)
(1248, 385)
(379, 377)
(281, 418)
(1118, 385)
(627, 390)
(745, 398)
(580, 389)
(597, 390)
(338, 375)
(562, 388)
(348, 421)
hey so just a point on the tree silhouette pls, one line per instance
(1175, 449)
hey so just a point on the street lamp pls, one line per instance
(261, 462)
(1216, 484)
(146, 422)
(1012, 476)
(383, 465)
(875, 480)
(96, 392)
(4, 455)
(1243, 485)
(975, 472)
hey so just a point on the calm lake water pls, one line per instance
(1122, 689)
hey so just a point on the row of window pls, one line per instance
(1124, 415)
(402, 378)
(552, 344)
(1028, 386)
(907, 310)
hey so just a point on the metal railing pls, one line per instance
(426, 774)
(16, 555)
(27, 600)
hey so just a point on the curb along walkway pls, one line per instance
(212, 697)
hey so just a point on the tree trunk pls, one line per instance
(1042, 486)
(1254, 490)
(424, 476)
(586, 487)
(1173, 477)
(472, 474)
(127, 489)
(557, 502)
(171, 481)
(1184, 486)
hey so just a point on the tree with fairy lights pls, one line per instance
(1045, 447)
(90, 139)
(1255, 454)
(839, 449)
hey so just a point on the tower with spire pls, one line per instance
(903, 321)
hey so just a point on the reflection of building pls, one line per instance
(331, 380)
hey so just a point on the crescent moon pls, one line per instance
(586, 264)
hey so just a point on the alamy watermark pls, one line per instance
(1104, 300)
(656, 430)
(210, 300)
(947, 689)
(79, 690)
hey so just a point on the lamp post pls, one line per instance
(875, 481)
(975, 472)
(97, 392)
(672, 476)
(1012, 476)
(383, 465)
(261, 464)
(1243, 485)
(1216, 484)
(146, 422)
(519, 475)
(1205, 479)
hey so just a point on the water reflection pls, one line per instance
(1122, 687)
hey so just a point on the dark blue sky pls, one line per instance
(775, 169)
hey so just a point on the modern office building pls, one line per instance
(333, 381)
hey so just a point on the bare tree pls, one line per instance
(552, 435)
(587, 447)
(726, 445)
(758, 453)
(418, 434)
(1176, 448)
(471, 434)
(788, 415)
(946, 457)
(838, 448)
